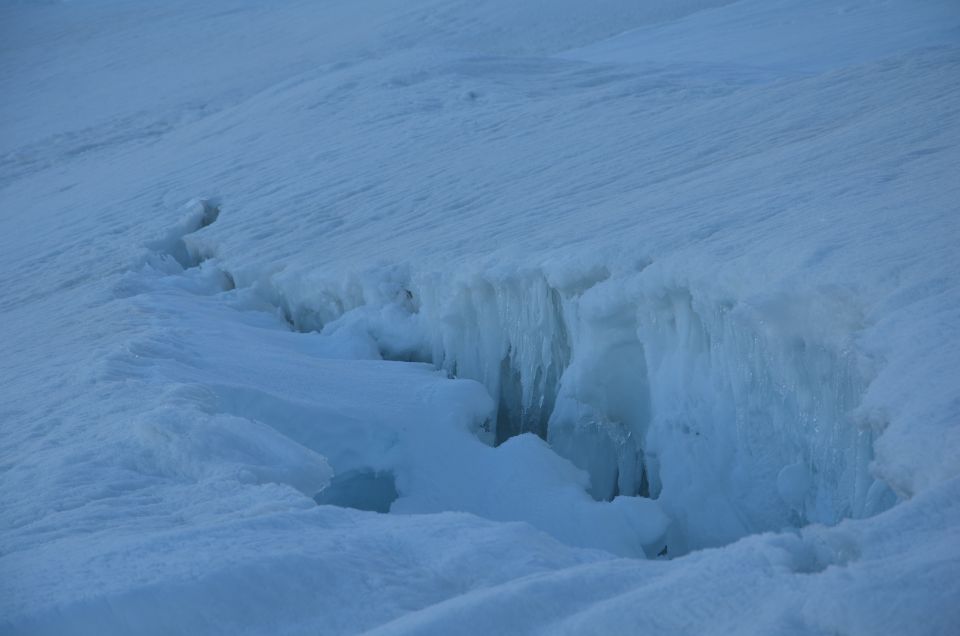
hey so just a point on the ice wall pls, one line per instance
(738, 415)
(507, 332)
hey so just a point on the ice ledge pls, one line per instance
(738, 415)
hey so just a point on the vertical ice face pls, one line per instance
(736, 416)
(750, 419)
(509, 334)
(603, 410)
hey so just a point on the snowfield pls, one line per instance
(450, 317)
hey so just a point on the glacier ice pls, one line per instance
(558, 285)
(737, 416)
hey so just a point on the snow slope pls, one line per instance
(636, 317)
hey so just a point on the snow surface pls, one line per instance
(637, 317)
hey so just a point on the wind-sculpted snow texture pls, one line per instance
(492, 317)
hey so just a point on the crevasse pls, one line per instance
(739, 417)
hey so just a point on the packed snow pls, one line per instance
(439, 317)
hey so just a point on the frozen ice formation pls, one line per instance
(545, 317)
(736, 417)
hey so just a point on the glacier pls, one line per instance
(622, 376)
(453, 317)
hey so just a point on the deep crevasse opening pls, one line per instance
(738, 417)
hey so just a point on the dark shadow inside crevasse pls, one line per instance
(360, 489)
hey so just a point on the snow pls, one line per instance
(433, 317)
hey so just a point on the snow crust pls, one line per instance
(456, 317)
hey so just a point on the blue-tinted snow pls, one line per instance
(705, 249)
